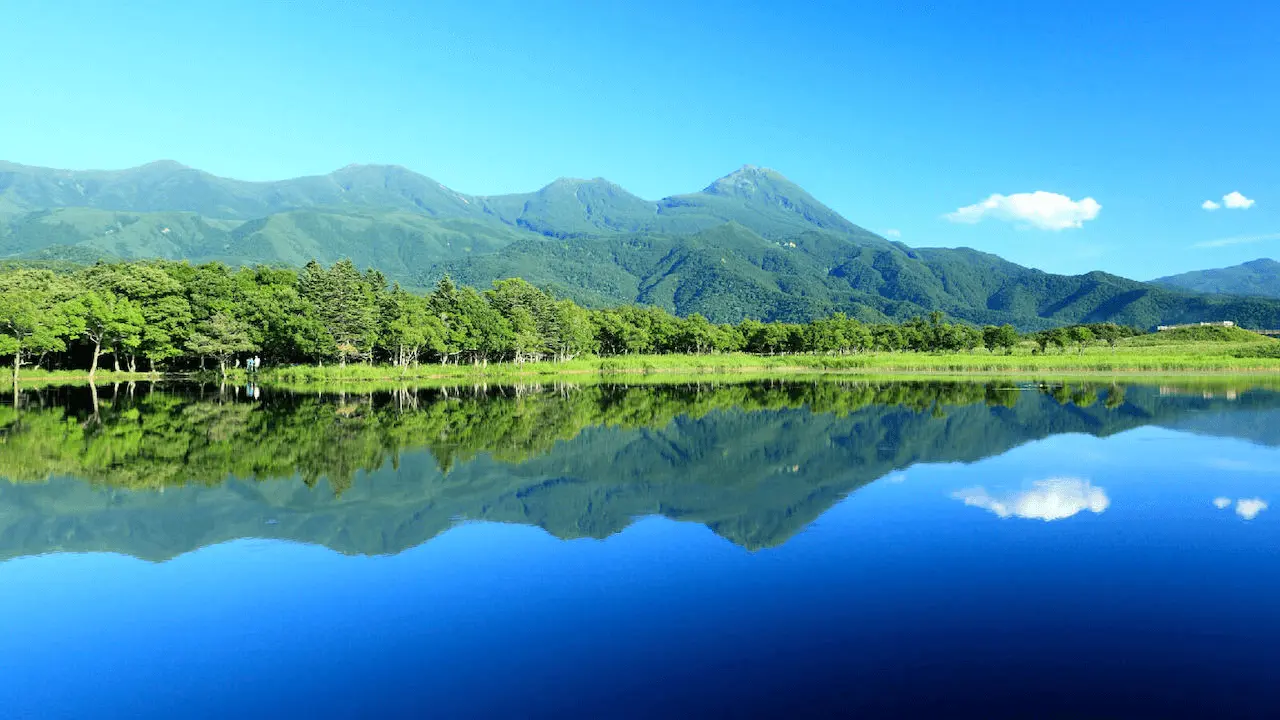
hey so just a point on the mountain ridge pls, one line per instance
(1260, 277)
(749, 244)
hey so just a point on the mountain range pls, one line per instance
(751, 244)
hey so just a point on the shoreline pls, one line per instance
(942, 367)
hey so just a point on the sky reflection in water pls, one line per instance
(991, 559)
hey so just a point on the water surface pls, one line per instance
(937, 549)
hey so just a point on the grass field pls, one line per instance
(1247, 354)
(40, 376)
(1160, 354)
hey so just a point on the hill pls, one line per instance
(751, 244)
(1209, 334)
(1257, 277)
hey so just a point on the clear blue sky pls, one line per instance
(894, 116)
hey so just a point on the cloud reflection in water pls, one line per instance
(1051, 499)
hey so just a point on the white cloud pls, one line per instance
(1235, 201)
(1210, 205)
(893, 233)
(1040, 209)
(1241, 466)
(1229, 464)
(1238, 240)
(1248, 508)
(1052, 499)
(1222, 503)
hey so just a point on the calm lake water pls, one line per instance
(778, 550)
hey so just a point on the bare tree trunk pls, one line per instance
(93, 369)
(115, 359)
(222, 366)
(17, 368)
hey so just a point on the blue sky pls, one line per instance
(895, 116)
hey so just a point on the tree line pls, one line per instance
(165, 315)
(158, 438)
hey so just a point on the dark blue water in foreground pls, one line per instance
(1125, 566)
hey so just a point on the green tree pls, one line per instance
(1004, 337)
(346, 305)
(221, 337)
(1081, 336)
(409, 328)
(38, 314)
(161, 299)
(111, 323)
(575, 335)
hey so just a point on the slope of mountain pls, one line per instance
(1259, 277)
(756, 197)
(169, 186)
(751, 244)
(730, 272)
(399, 242)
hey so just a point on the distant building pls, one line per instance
(1224, 323)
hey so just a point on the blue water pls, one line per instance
(1069, 576)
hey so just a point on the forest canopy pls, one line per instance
(166, 315)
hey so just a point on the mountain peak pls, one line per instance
(1261, 263)
(373, 168)
(164, 165)
(595, 186)
(746, 180)
(576, 182)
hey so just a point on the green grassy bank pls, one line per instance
(1137, 356)
(1148, 355)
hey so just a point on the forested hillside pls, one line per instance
(750, 245)
(1259, 277)
(165, 315)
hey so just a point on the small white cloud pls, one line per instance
(1238, 240)
(1248, 508)
(1235, 201)
(893, 233)
(1230, 464)
(1040, 209)
(1210, 205)
(1052, 499)
(1241, 466)
(1222, 503)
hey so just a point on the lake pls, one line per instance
(879, 549)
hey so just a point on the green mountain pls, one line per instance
(751, 244)
(729, 272)
(167, 186)
(1257, 277)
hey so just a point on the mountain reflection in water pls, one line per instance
(157, 471)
